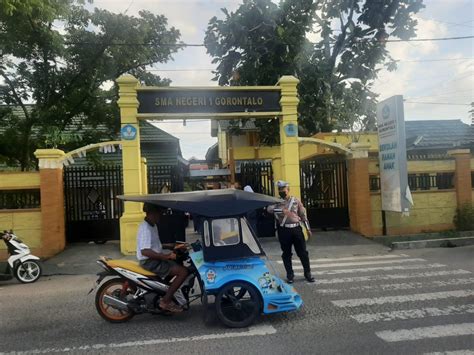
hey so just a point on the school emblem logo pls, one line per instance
(128, 132)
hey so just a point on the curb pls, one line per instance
(434, 243)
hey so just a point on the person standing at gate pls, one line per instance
(289, 214)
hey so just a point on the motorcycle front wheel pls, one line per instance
(115, 288)
(28, 271)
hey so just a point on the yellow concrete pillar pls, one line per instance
(131, 162)
(53, 229)
(289, 147)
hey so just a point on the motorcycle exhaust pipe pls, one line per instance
(116, 303)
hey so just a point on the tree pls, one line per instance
(63, 58)
(257, 44)
(262, 41)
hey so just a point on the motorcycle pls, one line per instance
(227, 263)
(134, 290)
(21, 264)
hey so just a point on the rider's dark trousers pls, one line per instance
(289, 237)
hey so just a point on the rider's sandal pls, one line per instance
(170, 307)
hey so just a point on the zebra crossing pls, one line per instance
(399, 298)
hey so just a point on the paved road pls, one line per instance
(419, 301)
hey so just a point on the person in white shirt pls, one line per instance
(158, 258)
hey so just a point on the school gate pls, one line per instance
(92, 210)
(324, 192)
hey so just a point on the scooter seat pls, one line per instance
(130, 265)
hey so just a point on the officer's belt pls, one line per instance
(290, 225)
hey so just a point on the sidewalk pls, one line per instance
(80, 258)
(330, 244)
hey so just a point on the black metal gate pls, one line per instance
(324, 192)
(259, 175)
(165, 178)
(92, 210)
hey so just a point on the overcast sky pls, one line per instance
(432, 89)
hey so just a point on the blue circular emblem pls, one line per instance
(385, 112)
(128, 132)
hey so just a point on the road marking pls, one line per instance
(453, 352)
(390, 277)
(252, 331)
(359, 263)
(413, 313)
(398, 286)
(438, 331)
(325, 260)
(315, 271)
(403, 298)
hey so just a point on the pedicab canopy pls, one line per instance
(225, 230)
(210, 203)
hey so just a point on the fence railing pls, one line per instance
(420, 182)
(20, 199)
(258, 175)
(165, 178)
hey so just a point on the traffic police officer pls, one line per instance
(289, 214)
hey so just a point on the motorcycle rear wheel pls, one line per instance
(114, 288)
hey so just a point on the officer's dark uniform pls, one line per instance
(290, 233)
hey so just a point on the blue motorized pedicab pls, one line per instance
(229, 264)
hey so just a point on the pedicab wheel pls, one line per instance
(28, 271)
(115, 288)
(238, 304)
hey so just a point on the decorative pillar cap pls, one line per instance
(288, 79)
(455, 152)
(127, 79)
(359, 150)
(49, 153)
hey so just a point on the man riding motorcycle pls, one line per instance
(157, 257)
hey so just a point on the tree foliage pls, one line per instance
(62, 58)
(262, 41)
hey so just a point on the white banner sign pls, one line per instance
(394, 188)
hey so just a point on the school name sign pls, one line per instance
(212, 101)
(394, 188)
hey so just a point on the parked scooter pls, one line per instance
(21, 264)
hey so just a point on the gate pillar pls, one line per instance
(131, 162)
(289, 146)
(53, 229)
(360, 210)
(462, 176)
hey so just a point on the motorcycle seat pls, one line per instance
(131, 266)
